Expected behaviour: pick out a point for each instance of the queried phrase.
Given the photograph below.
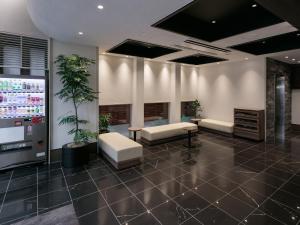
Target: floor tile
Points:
(192, 221)
(22, 182)
(128, 174)
(157, 177)
(223, 184)
(99, 172)
(292, 188)
(260, 218)
(144, 219)
(138, 185)
(152, 198)
(53, 199)
(172, 188)
(213, 215)
(248, 196)
(190, 180)
(128, 209)
(191, 202)
(170, 213)
(100, 217)
(280, 212)
(269, 179)
(107, 181)
(51, 185)
(279, 173)
(49, 175)
(146, 169)
(209, 192)
(20, 194)
(234, 207)
(174, 172)
(18, 209)
(82, 189)
(260, 188)
(287, 199)
(77, 178)
(24, 171)
(160, 163)
(116, 193)
(239, 174)
(88, 203)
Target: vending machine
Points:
(23, 120)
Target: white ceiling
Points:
(128, 19)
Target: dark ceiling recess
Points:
(273, 44)
(286, 9)
(198, 59)
(217, 19)
(141, 49)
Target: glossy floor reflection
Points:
(222, 181)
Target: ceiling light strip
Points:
(206, 46)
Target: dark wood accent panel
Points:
(120, 113)
(296, 127)
(295, 79)
(249, 124)
(155, 111)
(186, 109)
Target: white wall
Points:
(115, 80)
(296, 106)
(14, 18)
(189, 80)
(157, 82)
(89, 111)
(221, 88)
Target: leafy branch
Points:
(74, 74)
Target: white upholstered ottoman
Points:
(216, 125)
(165, 133)
(119, 150)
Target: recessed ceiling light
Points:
(213, 21)
(254, 5)
(294, 59)
(286, 57)
(80, 33)
(127, 56)
(100, 7)
(246, 58)
(218, 63)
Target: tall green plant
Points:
(196, 107)
(104, 121)
(73, 72)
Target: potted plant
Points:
(196, 108)
(104, 121)
(73, 72)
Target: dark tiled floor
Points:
(222, 181)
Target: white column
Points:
(137, 108)
(175, 104)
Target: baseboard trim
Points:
(296, 127)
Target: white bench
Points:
(119, 150)
(217, 126)
(165, 133)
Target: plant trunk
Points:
(76, 122)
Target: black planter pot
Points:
(75, 156)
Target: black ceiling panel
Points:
(198, 59)
(287, 9)
(211, 20)
(141, 49)
(283, 42)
